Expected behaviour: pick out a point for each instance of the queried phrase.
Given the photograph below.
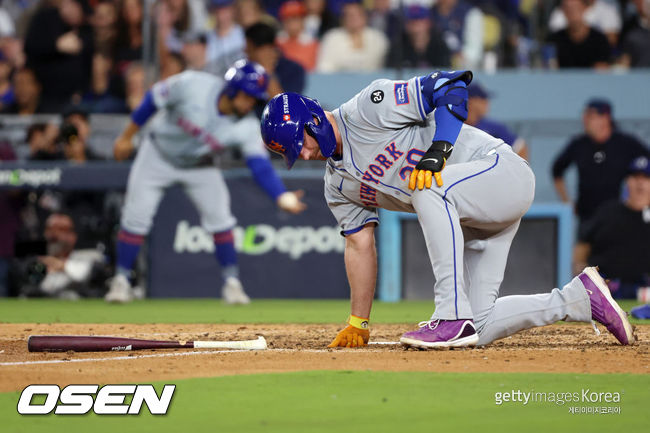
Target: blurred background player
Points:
(478, 106)
(196, 115)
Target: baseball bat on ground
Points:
(87, 343)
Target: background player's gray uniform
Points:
(468, 223)
(178, 146)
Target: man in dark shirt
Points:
(602, 156)
(617, 238)
(59, 46)
(284, 75)
(579, 46)
(421, 45)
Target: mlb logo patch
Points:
(286, 117)
(401, 93)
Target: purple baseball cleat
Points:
(604, 308)
(442, 333)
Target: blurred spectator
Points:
(9, 223)
(602, 155)
(384, 18)
(175, 65)
(478, 106)
(128, 45)
(59, 47)
(579, 46)
(66, 272)
(194, 50)
(104, 23)
(462, 29)
(42, 141)
(175, 21)
(249, 12)
(354, 46)
(74, 135)
(6, 89)
(136, 85)
(226, 43)
(293, 41)
(421, 46)
(617, 238)
(319, 19)
(635, 45)
(27, 94)
(99, 99)
(285, 75)
(599, 14)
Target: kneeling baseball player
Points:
(194, 115)
(403, 146)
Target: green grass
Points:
(209, 311)
(359, 402)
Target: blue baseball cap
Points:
(220, 3)
(600, 105)
(475, 90)
(640, 165)
(416, 12)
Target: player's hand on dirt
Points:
(122, 148)
(430, 166)
(351, 337)
(356, 334)
(291, 201)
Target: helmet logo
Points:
(286, 117)
(276, 147)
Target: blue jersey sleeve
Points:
(145, 110)
(265, 176)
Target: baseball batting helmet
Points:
(285, 118)
(248, 77)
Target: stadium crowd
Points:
(74, 58)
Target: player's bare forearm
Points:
(131, 129)
(123, 146)
(361, 268)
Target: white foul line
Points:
(163, 355)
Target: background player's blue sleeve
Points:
(145, 110)
(265, 176)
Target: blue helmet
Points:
(249, 77)
(284, 120)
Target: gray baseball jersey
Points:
(188, 127)
(468, 223)
(185, 131)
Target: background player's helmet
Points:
(285, 118)
(249, 77)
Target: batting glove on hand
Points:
(356, 334)
(430, 166)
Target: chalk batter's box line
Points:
(165, 355)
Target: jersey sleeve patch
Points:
(401, 93)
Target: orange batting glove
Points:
(356, 334)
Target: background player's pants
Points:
(151, 174)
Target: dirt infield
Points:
(557, 349)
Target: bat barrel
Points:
(76, 343)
